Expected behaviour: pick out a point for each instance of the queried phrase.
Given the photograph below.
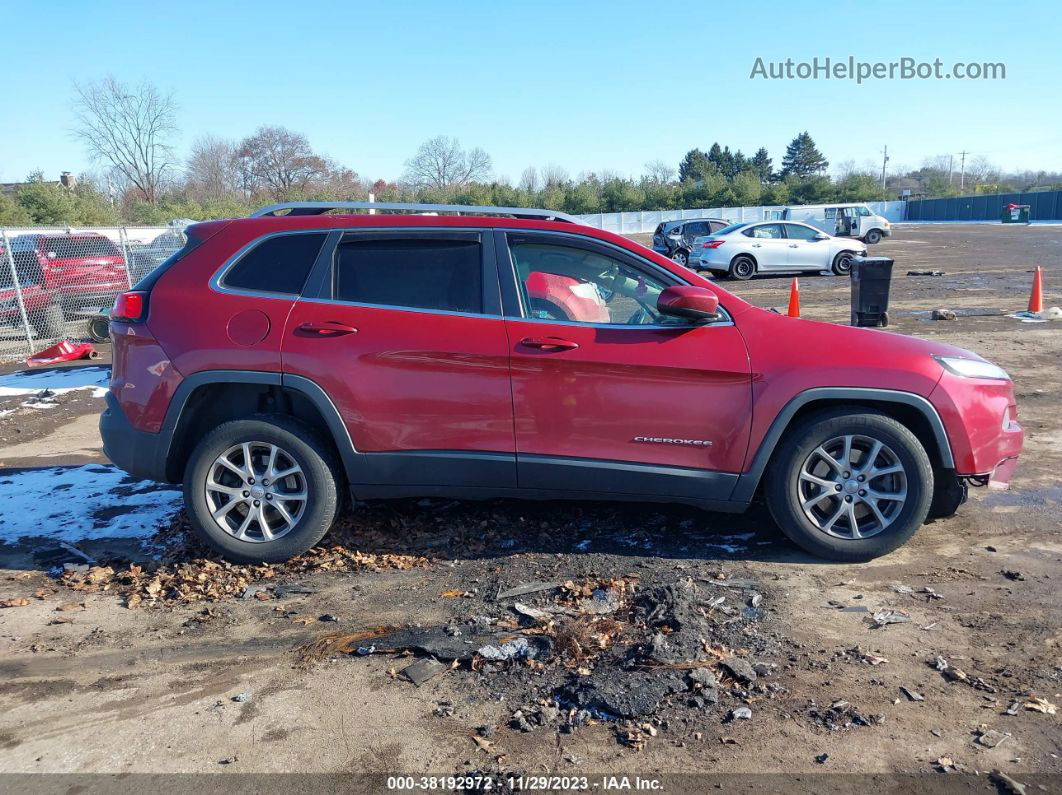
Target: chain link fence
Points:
(60, 283)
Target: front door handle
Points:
(549, 343)
(757, 245)
(327, 328)
(793, 245)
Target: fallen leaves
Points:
(14, 602)
(189, 573)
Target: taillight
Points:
(712, 244)
(130, 307)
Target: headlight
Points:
(972, 368)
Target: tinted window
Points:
(420, 273)
(575, 285)
(79, 247)
(717, 225)
(276, 265)
(695, 229)
(798, 232)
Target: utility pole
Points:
(951, 162)
(962, 170)
(884, 160)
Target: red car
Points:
(276, 361)
(83, 269)
(43, 311)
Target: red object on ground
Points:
(63, 351)
(794, 299)
(1036, 298)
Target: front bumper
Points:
(140, 453)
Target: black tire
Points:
(681, 256)
(873, 237)
(742, 268)
(299, 442)
(51, 324)
(842, 263)
(99, 329)
(797, 446)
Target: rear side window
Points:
(418, 273)
(276, 265)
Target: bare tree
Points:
(529, 180)
(553, 176)
(129, 128)
(213, 169)
(279, 161)
(660, 172)
(441, 163)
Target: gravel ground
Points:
(265, 675)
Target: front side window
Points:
(576, 285)
(831, 213)
(276, 265)
(416, 273)
(863, 211)
(798, 232)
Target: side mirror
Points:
(822, 236)
(692, 303)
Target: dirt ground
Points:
(89, 685)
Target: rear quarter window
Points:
(278, 264)
(416, 273)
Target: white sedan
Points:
(743, 250)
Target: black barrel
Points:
(871, 279)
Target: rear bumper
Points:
(1001, 475)
(140, 453)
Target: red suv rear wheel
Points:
(262, 490)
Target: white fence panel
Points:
(645, 222)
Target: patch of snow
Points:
(30, 382)
(85, 502)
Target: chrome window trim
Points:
(217, 281)
(392, 308)
(670, 277)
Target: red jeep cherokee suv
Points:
(277, 360)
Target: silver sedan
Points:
(743, 250)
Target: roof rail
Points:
(319, 208)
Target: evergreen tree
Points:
(761, 164)
(802, 158)
(694, 166)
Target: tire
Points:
(742, 267)
(802, 507)
(873, 237)
(99, 329)
(52, 323)
(682, 257)
(842, 263)
(308, 520)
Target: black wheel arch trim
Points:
(747, 484)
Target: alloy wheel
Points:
(256, 491)
(852, 487)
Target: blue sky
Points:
(589, 86)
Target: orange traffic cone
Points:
(1036, 298)
(794, 299)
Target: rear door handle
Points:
(327, 328)
(549, 343)
(793, 245)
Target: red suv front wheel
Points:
(850, 485)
